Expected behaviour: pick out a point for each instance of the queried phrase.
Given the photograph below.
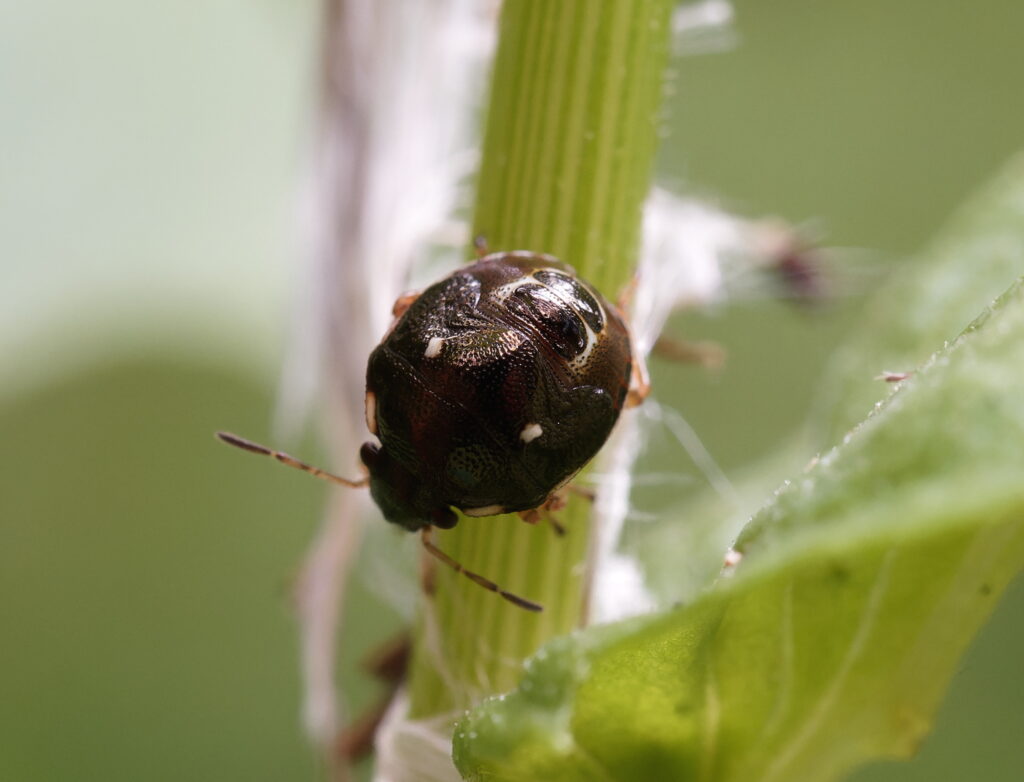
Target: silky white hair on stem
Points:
(395, 139)
(400, 88)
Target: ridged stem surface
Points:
(571, 132)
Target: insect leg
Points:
(554, 503)
(535, 515)
(639, 382)
(588, 494)
(403, 302)
(291, 461)
(434, 551)
(556, 525)
(529, 516)
(709, 355)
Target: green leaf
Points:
(928, 301)
(925, 302)
(862, 582)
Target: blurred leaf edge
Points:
(584, 708)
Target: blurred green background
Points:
(151, 158)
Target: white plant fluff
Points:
(395, 141)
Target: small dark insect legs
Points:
(428, 544)
(425, 534)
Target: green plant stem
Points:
(567, 160)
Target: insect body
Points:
(492, 389)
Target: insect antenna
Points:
(291, 461)
(428, 544)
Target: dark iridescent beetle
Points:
(492, 389)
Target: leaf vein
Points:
(831, 693)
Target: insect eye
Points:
(570, 326)
(368, 453)
(574, 291)
(558, 324)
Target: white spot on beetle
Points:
(434, 347)
(530, 433)
(486, 510)
(371, 412)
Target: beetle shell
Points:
(492, 390)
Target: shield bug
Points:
(491, 390)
